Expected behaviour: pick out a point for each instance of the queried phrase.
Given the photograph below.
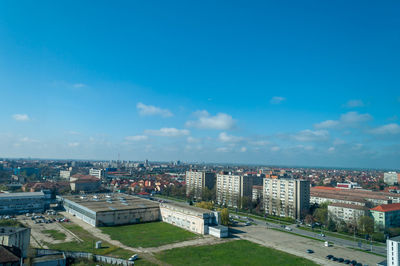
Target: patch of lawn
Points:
(238, 252)
(57, 235)
(148, 234)
(88, 244)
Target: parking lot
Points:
(42, 222)
(298, 246)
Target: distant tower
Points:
(146, 162)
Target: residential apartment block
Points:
(386, 216)
(390, 178)
(286, 197)
(348, 213)
(231, 188)
(393, 250)
(96, 172)
(196, 181)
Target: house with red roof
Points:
(386, 216)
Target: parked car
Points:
(309, 251)
(329, 257)
(340, 260)
(346, 261)
(288, 228)
(133, 257)
(247, 224)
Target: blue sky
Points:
(305, 83)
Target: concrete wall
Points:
(189, 222)
(119, 217)
(19, 238)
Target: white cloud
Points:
(167, 132)
(192, 140)
(311, 135)
(331, 149)
(350, 119)
(136, 138)
(228, 138)
(21, 117)
(73, 144)
(79, 85)
(354, 103)
(243, 149)
(222, 149)
(277, 100)
(260, 142)
(152, 110)
(338, 142)
(221, 121)
(275, 148)
(389, 129)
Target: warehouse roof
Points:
(111, 202)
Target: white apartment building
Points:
(231, 188)
(348, 213)
(96, 172)
(286, 197)
(65, 174)
(390, 178)
(196, 181)
(393, 248)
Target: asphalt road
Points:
(336, 241)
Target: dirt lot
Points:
(38, 237)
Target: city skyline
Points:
(306, 84)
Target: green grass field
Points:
(57, 235)
(239, 252)
(148, 234)
(88, 244)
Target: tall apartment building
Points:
(393, 250)
(96, 172)
(390, 178)
(198, 180)
(286, 197)
(231, 188)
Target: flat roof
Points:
(348, 206)
(111, 202)
(21, 194)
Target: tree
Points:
(321, 215)
(309, 219)
(331, 225)
(366, 225)
(205, 205)
(225, 216)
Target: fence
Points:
(85, 255)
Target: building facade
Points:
(16, 237)
(386, 216)
(257, 193)
(349, 213)
(65, 174)
(191, 218)
(232, 188)
(286, 197)
(17, 203)
(96, 172)
(393, 250)
(84, 183)
(390, 178)
(196, 181)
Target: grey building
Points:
(16, 203)
(112, 209)
(286, 197)
(196, 181)
(390, 178)
(231, 188)
(16, 237)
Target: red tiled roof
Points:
(387, 207)
(327, 188)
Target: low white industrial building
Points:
(189, 217)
